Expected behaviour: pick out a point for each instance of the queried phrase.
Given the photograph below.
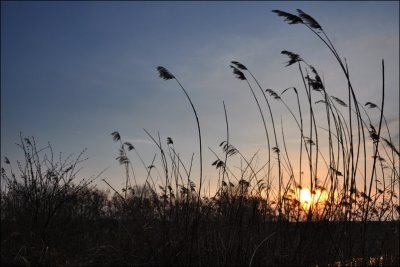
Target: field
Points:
(259, 215)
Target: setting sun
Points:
(305, 196)
(308, 198)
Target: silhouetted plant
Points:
(166, 75)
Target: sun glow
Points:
(314, 198)
(305, 196)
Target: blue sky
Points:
(73, 72)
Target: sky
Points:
(74, 72)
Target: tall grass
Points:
(251, 219)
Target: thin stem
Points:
(199, 133)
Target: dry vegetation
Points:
(49, 216)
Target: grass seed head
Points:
(310, 21)
(292, 56)
(290, 18)
(116, 137)
(238, 73)
(239, 65)
(164, 73)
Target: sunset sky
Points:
(74, 72)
